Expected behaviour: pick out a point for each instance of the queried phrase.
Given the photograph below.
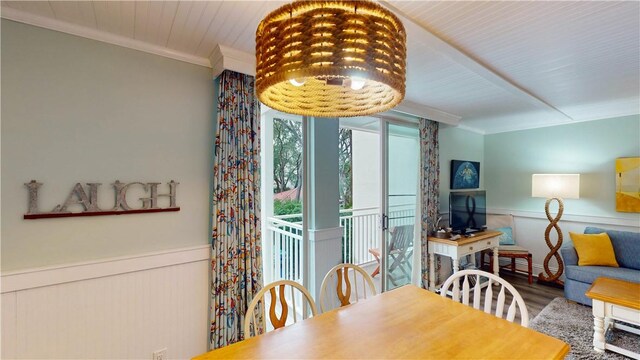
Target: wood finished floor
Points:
(536, 296)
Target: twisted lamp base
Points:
(549, 277)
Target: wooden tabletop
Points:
(487, 234)
(407, 322)
(615, 291)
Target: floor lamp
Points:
(554, 187)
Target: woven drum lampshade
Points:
(331, 59)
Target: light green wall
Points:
(458, 144)
(78, 110)
(588, 148)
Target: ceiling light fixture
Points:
(331, 59)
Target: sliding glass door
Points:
(400, 161)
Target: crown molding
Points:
(94, 34)
(226, 58)
(426, 112)
(472, 129)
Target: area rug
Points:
(573, 324)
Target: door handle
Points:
(384, 222)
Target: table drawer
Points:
(625, 314)
(477, 246)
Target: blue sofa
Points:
(578, 279)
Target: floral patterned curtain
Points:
(429, 193)
(236, 259)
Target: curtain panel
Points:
(429, 194)
(236, 259)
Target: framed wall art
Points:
(628, 184)
(465, 174)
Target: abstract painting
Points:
(465, 174)
(628, 184)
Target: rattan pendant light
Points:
(331, 59)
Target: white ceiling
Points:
(496, 66)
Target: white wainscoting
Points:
(530, 227)
(110, 309)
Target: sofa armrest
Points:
(569, 255)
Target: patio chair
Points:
(340, 278)
(473, 282)
(278, 302)
(400, 253)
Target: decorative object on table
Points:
(436, 225)
(573, 323)
(554, 187)
(331, 59)
(473, 280)
(465, 174)
(442, 234)
(628, 184)
(88, 200)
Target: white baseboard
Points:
(53, 275)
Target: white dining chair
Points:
(290, 297)
(473, 282)
(337, 290)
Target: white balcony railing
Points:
(360, 232)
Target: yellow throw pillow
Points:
(594, 249)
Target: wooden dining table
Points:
(405, 323)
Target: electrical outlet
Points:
(160, 354)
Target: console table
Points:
(455, 249)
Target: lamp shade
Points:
(565, 186)
(331, 59)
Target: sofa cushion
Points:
(594, 249)
(587, 274)
(626, 245)
(507, 236)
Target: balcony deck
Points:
(361, 231)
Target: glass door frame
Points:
(385, 121)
